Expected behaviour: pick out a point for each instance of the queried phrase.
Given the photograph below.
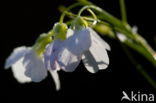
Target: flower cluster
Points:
(60, 49)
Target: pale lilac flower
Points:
(27, 66)
(51, 55)
(15, 60)
(96, 58)
(83, 44)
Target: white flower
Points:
(27, 66)
(68, 53)
(16, 61)
(96, 58)
(34, 66)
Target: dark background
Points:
(22, 22)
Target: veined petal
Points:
(56, 79)
(17, 54)
(67, 60)
(18, 71)
(50, 56)
(35, 68)
(96, 58)
(55, 49)
(47, 55)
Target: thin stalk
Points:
(107, 17)
(92, 13)
(122, 28)
(140, 68)
(70, 7)
(123, 11)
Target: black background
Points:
(22, 22)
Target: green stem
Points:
(144, 43)
(123, 11)
(123, 28)
(136, 64)
(69, 8)
(92, 13)
(106, 16)
(85, 2)
(62, 17)
(140, 68)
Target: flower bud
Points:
(60, 30)
(79, 23)
(104, 30)
(41, 43)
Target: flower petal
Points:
(67, 60)
(79, 42)
(18, 71)
(96, 58)
(55, 49)
(70, 32)
(34, 66)
(17, 54)
(47, 55)
(71, 52)
(90, 62)
(98, 38)
(56, 79)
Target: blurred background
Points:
(23, 21)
